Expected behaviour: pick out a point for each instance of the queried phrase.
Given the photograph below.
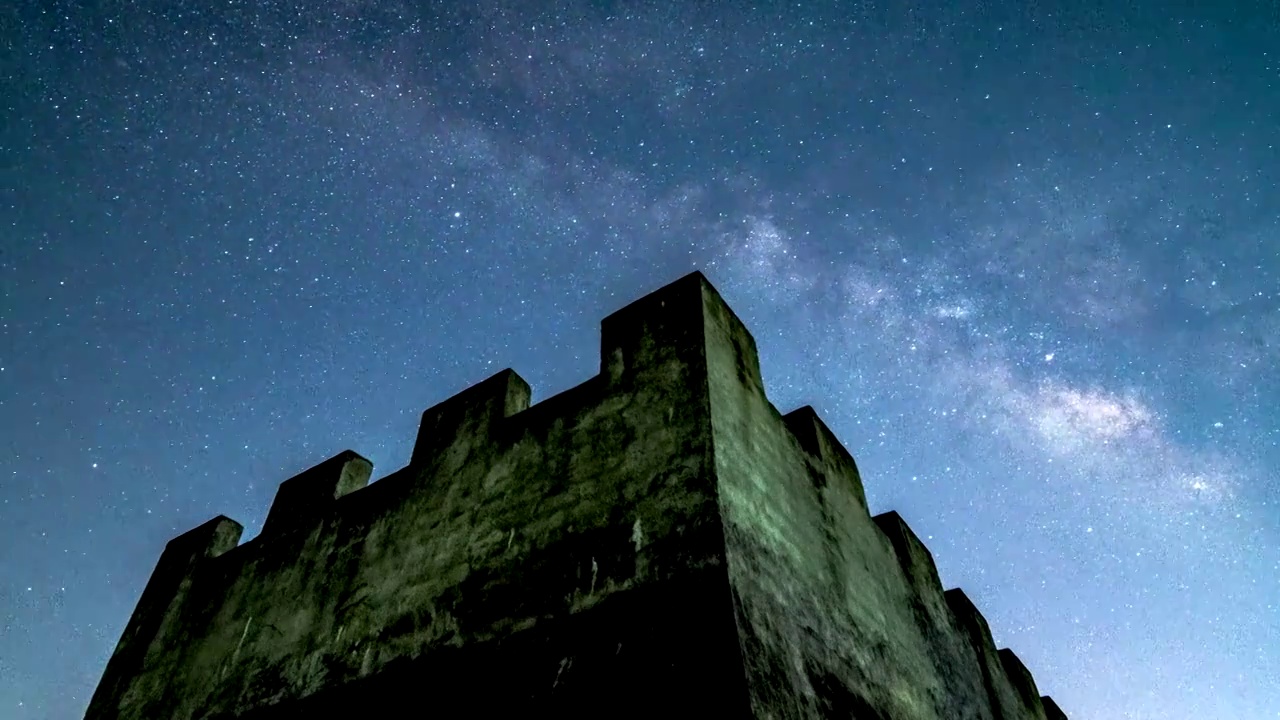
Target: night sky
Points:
(1024, 259)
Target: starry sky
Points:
(1024, 258)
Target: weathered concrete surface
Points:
(656, 541)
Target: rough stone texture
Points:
(658, 540)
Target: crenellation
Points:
(1003, 696)
(304, 498)
(949, 645)
(661, 326)
(659, 532)
(730, 347)
(820, 443)
(1051, 709)
(912, 554)
(1025, 685)
(453, 430)
(153, 618)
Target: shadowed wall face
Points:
(658, 540)
(840, 614)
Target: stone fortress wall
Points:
(658, 540)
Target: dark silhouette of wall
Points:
(657, 541)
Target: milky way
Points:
(1025, 261)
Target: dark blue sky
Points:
(1025, 260)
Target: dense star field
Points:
(1023, 259)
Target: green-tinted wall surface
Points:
(657, 541)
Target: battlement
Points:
(659, 526)
(304, 498)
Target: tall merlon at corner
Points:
(658, 541)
